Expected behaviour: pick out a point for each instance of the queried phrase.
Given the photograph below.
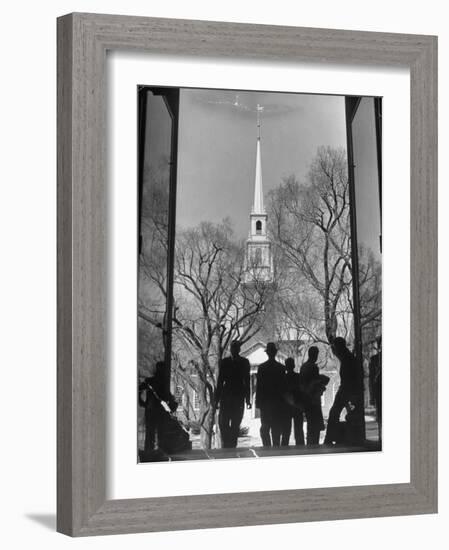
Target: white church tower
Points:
(259, 261)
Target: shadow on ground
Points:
(46, 520)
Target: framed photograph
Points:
(246, 274)
(246, 284)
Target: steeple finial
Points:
(259, 109)
(258, 207)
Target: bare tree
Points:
(310, 226)
(213, 305)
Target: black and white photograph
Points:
(259, 306)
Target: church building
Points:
(259, 259)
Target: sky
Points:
(217, 148)
(217, 151)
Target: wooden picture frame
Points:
(83, 40)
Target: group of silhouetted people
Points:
(286, 398)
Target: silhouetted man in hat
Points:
(269, 398)
(350, 392)
(233, 389)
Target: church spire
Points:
(258, 207)
(259, 260)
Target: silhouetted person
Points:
(269, 398)
(375, 382)
(313, 385)
(233, 389)
(155, 397)
(349, 393)
(293, 406)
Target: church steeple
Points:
(259, 262)
(258, 207)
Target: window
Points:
(364, 116)
(196, 401)
(179, 392)
(158, 123)
(258, 227)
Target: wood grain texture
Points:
(423, 272)
(83, 40)
(64, 276)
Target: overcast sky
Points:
(217, 148)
